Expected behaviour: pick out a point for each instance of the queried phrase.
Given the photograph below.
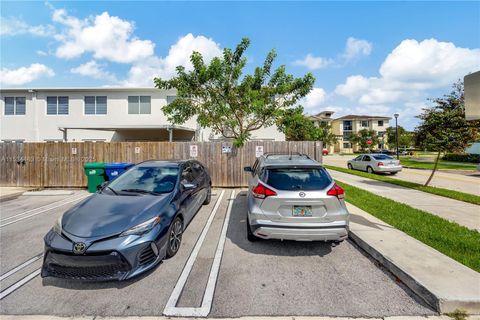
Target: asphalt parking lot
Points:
(217, 272)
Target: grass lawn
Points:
(451, 239)
(406, 161)
(457, 195)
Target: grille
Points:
(147, 256)
(87, 273)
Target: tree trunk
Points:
(434, 169)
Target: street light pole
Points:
(396, 133)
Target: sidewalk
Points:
(9, 193)
(441, 281)
(463, 213)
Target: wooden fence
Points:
(61, 164)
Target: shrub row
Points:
(462, 157)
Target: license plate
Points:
(302, 211)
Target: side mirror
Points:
(103, 185)
(188, 186)
(248, 169)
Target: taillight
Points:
(261, 192)
(380, 164)
(336, 191)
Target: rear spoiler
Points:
(300, 166)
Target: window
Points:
(366, 158)
(14, 106)
(346, 145)
(139, 104)
(381, 134)
(149, 179)
(297, 178)
(364, 123)
(382, 157)
(359, 158)
(95, 105)
(346, 135)
(347, 125)
(380, 123)
(57, 105)
(187, 174)
(170, 99)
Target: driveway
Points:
(216, 266)
(468, 183)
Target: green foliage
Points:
(456, 241)
(458, 314)
(443, 127)
(230, 103)
(405, 138)
(362, 137)
(462, 157)
(297, 127)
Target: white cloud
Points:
(409, 70)
(313, 63)
(94, 70)
(356, 48)
(106, 37)
(41, 53)
(143, 72)
(313, 101)
(24, 75)
(10, 26)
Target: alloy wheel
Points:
(176, 236)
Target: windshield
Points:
(147, 179)
(382, 157)
(297, 178)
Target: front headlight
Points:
(142, 227)
(57, 227)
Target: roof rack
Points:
(290, 154)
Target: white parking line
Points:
(42, 211)
(20, 267)
(18, 284)
(171, 309)
(171, 306)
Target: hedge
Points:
(462, 157)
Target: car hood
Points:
(106, 215)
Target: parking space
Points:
(262, 278)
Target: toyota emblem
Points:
(79, 248)
(302, 194)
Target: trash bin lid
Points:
(94, 165)
(118, 165)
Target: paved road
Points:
(464, 182)
(265, 278)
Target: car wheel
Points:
(209, 196)
(370, 170)
(349, 166)
(174, 237)
(250, 236)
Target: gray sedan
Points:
(373, 163)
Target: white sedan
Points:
(373, 163)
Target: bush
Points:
(462, 157)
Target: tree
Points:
(443, 127)
(405, 138)
(297, 127)
(232, 104)
(362, 137)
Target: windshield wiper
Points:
(140, 191)
(111, 189)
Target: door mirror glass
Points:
(248, 169)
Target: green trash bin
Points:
(95, 172)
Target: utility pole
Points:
(396, 133)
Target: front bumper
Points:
(326, 232)
(117, 258)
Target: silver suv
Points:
(292, 197)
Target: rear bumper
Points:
(300, 233)
(388, 169)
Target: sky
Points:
(373, 58)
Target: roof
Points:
(362, 117)
(162, 163)
(79, 89)
(293, 160)
(127, 127)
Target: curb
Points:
(11, 196)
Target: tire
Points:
(370, 170)
(175, 232)
(209, 196)
(350, 166)
(393, 173)
(250, 236)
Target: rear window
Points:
(382, 157)
(297, 178)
